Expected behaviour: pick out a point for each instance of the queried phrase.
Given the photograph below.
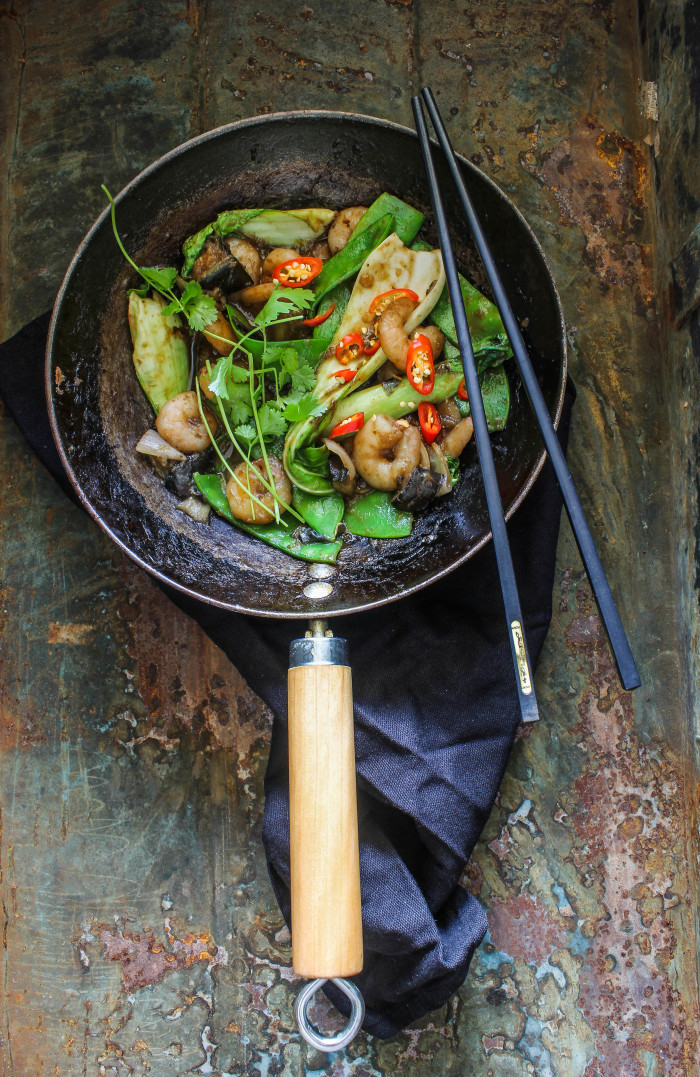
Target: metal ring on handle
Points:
(342, 1039)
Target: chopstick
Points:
(509, 588)
(626, 666)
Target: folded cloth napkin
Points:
(436, 712)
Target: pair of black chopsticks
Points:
(596, 574)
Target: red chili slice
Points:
(346, 375)
(382, 301)
(349, 425)
(370, 340)
(297, 272)
(430, 425)
(462, 391)
(420, 368)
(320, 318)
(350, 347)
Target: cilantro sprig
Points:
(198, 309)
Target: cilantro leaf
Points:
(284, 303)
(219, 377)
(304, 377)
(298, 410)
(238, 374)
(239, 404)
(246, 432)
(160, 279)
(199, 309)
(271, 421)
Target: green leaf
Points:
(453, 465)
(219, 377)
(161, 279)
(303, 378)
(246, 432)
(199, 309)
(296, 412)
(271, 421)
(239, 404)
(239, 374)
(284, 303)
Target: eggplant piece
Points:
(179, 479)
(216, 267)
(420, 489)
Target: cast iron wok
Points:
(98, 411)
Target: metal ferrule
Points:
(318, 651)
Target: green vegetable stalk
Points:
(404, 399)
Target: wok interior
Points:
(100, 411)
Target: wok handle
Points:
(324, 848)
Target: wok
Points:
(98, 413)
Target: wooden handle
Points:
(325, 862)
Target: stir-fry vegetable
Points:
(161, 357)
(305, 401)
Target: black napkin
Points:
(436, 712)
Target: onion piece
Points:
(152, 444)
(195, 508)
(344, 455)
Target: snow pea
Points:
(495, 393)
(282, 538)
(483, 318)
(323, 512)
(407, 220)
(349, 260)
(375, 516)
(340, 295)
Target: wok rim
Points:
(164, 160)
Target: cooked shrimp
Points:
(180, 424)
(343, 226)
(434, 335)
(456, 439)
(215, 331)
(275, 258)
(386, 451)
(450, 414)
(256, 296)
(392, 335)
(247, 255)
(247, 483)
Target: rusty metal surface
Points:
(140, 931)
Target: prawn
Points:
(180, 424)
(343, 226)
(395, 340)
(386, 451)
(456, 439)
(244, 485)
(275, 258)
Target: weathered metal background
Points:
(140, 931)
